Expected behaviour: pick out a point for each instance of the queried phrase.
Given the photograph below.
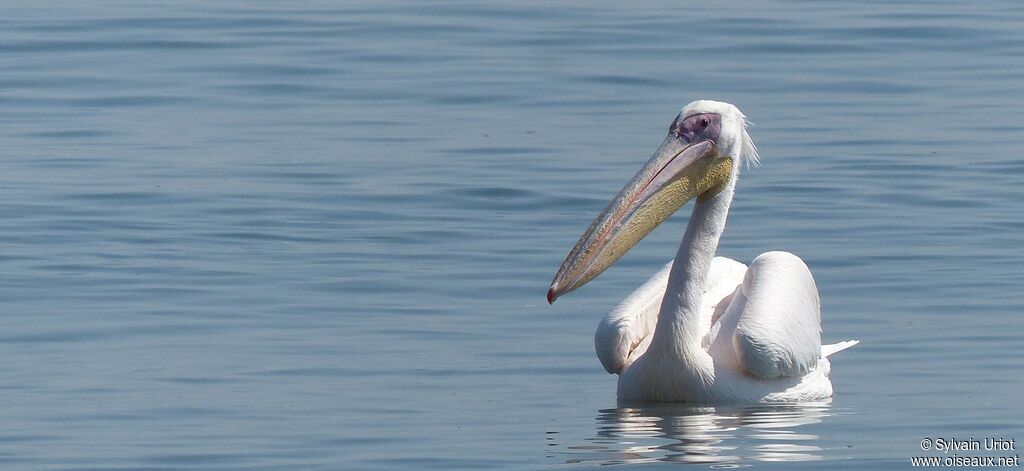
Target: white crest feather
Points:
(749, 153)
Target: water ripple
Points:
(316, 235)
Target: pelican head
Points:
(698, 158)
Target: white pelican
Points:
(704, 329)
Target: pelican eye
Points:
(704, 122)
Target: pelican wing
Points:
(626, 331)
(778, 333)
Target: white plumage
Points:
(750, 332)
(704, 329)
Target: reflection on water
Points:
(725, 436)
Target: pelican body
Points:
(704, 329)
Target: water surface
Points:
(263, 235)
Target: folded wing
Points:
(778, 333)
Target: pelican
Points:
(704, 329)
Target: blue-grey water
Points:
(318, 235)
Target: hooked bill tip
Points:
(552, 295)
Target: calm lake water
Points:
(300, 235)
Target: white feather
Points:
(625, 332)
(630, 323)
(779, 329)
(727, 333)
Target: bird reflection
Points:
(709, 435)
